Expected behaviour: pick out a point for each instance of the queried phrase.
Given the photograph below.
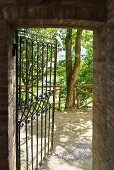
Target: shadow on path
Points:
(72, 142)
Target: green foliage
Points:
(86, 71)
(33, 51)
(61, 80)
(85, 75)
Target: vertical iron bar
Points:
(37, 66)
(26, 70)
(26, 131)
(50, 104)
(49, 130)
(42, 99)
(42, 68)
(51, 89)
(54, 86)
(32, 109)
(37, 142)
(19, 146)
(41, 133)
(32, 141)
(17, 130)
(32, 67)
(46, 104)
(50, 67)
(41, 137)
(23, 66)
(19, 67)
(46, 67)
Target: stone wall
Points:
(11, 98)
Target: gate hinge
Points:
(14, 49)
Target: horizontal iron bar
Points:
(56, 87)
(37, 35)
(37, 41)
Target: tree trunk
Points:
(75, 71)
(68, 44)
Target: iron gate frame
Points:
(43, 98)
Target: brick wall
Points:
(7, 119)
(103, 111)
(99, 106)
(3, 97)
(110, 84)
(52, 13)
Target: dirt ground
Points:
(72, 142)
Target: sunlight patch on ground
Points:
(72, 142)
(61, 164)
(64, 138)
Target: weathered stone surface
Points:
(99, 111)
(7, 124)
(54, 13)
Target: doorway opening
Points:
(40, 86)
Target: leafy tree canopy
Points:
(85, 74)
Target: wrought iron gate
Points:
(36, 80)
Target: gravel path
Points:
(72, 142)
